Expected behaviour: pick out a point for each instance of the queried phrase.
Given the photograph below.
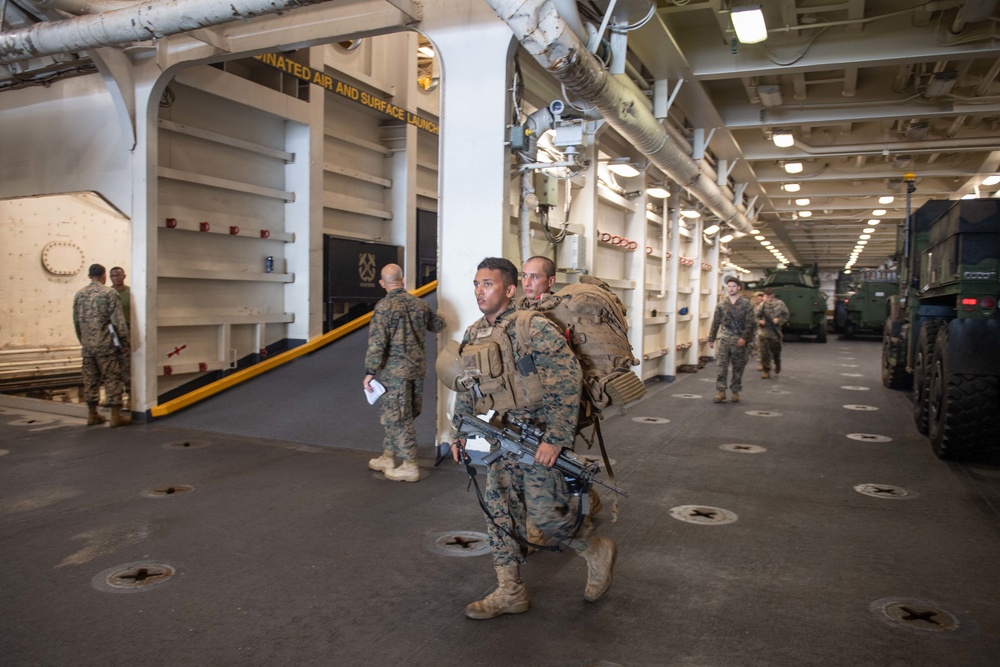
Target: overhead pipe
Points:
(139, 22)
(874, 148)
(544, 34)
(79, 7)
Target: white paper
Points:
(377, 390)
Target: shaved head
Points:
(392, 274)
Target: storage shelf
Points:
(572, 278)
(226, 230)
(219, 320)
(202, 274)
(656, 320)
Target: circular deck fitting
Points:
(884, 491)
(133, 577)
(861, 408)
(743, 449)
(165, 491)
(187, 444)
(703, 515)
(459, 543)
(869, 437)
(686, 395)
(854, 387)
(763, 413)
(922, 616)
(651, 420)
(853, 375)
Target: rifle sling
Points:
(469, 468)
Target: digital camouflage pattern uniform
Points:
(769, 335)
(125, 295)
(94, 307)
(396, 349)
(515, 490)
(732, 321)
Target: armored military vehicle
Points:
(866, 306)
(943, 331)
(796, 286)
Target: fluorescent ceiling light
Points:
(625, 169)
(765, 243)
(888, 199)
(426, 51)
(783, 139)
(862, 242)
(748, 22)
(726, 239)
(802, 202)
(865, 237)
(711, 229)
(690, 213)
(793, 167)
(657, 192)
(868, 230)
(759, 237)
(791, 187)
(992, 180)
(755, 231)
(805, 214)
(971, 195)
(874, 222)
(878, 211)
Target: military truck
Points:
(796, 286)
(867, 305)
(943, 332)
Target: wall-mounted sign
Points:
(348, 91)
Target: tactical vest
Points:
(507, 377)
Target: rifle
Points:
(115, 340)
(522, 438)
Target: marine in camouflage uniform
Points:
(733, 327)
(396, 338)
(94, 308)
(518, 491)
(771, 315)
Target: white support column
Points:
(694, 309)
(636, 229)
(673, 274)
(401, 198)
(474, 159)
(709, 282)
(303, 217)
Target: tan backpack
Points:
(593, 319)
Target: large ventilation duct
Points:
(138, 22)
(543, 33)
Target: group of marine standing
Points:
(737, 324)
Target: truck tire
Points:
(962, 409)
(923, 360)
(821, 333)
(894, 375)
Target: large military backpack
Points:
(593, 319)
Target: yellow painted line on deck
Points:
(242, 376)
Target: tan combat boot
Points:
(720, 397)
(383, 463)
(406, 472)
(119, 419)
(765, 376)
(510, 596)
(93, 416)
(600, 556)
(735, 398)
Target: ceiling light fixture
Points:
(748, 22)
(765, 243)
(711, 229)
(623, 169)
(793, 167)
(690, 213)
(658, 192)
(868, 230)
(805, 214)
(992, 180)
(888, 199)
(791, 187)
(874, 222)
(802, 202)
(865, 237)
(759, 237)
(726, 239)
(878, 211)
(426, 51)
(755, 231)
(783, 139)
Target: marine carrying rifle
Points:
(522, 438)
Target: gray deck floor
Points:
(289, 552)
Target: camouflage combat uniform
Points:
(516, 490)
(732, 321)
(769, 335)
(125, 295)
(396, 349)
(94, 307)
